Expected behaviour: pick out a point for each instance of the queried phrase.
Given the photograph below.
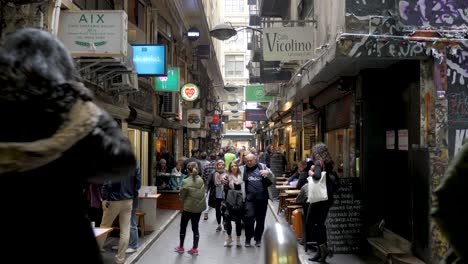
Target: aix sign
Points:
(189, 92)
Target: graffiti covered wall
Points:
(434, 13)
(370, 7)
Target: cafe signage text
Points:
(287, 43)
(94, 33)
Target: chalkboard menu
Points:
(344, 222)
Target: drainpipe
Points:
(55, 17)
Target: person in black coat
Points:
(54, 139)
(318, 211)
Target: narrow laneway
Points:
(211, 246)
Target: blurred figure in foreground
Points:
(54, 140)
(445, 211)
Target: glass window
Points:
(339, 146)
(234, 65)
(235, 6)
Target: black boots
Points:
(322, 253)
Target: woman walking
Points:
(219, 177)
(318, 211)
(192, 195)
(234, 203)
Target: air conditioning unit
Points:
(170, 104)
(272, 89)
(125, 83)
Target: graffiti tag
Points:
(433, 12)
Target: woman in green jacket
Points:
(192, 195)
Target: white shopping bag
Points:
(317, 189)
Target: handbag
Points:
(317, 189)
(212, 198)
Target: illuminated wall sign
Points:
(193, 34)
(150, 60)
(169, 82)
(190, 92)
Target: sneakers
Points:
(130, 250)
(238, 243)
(247, 244)
(258, 243)
(115, 247)
(219, 228)
(228, 242)
(205, 217)
(179, 249)
(193, 251)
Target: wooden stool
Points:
(282, 202)
(290, 209)
(141, 222)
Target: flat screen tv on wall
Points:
(150, 59)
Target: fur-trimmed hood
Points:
(24, 156)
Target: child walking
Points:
(192, 195)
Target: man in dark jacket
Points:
(257, 178)
(117, 200)
(54, 139)
(195, 157)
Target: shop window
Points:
(234, 6)
(234, 65)
(140, 142)
(94, 5)
(137, 13)
(338, 142)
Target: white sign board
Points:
(94, 33)
(287, 43)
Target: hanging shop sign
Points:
(193, 34)
(215, 119)
(255, 115)
(169, 82)
(256, 93)
(190, 92)
(150, 59)
(287, 43)
(94, 33)
(193, 118)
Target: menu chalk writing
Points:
(345, 222)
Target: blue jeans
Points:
(133, 242)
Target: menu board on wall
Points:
(345, 221)
(308, 134)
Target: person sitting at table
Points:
(161, 168)
(300, 174)
(176, 182)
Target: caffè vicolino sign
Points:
(287, 43)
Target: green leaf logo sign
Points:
(87, 44)
(101, 43)
(81, 43)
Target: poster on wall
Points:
(458, 133)
(193, 118)
(403, 139)
(390, 139)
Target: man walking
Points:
(118, 199)
(257, 178)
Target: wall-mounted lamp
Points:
(226, 31)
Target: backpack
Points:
(234, 201)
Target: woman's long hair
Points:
(320, 152)
(192, 169)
